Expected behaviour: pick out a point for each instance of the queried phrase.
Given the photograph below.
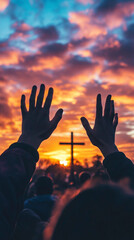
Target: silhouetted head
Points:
(104, 212)
(44, 185)
(100, 177)
(84, 176)
(29, 226)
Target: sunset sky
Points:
(79, 47)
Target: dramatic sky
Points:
(79, 47)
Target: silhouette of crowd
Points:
(95, 206)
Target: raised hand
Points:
(103, 133)
(36, 125)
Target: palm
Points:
(105, 129)
(36, 122)
(103, 132)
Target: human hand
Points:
(103, 133)
(36, 125)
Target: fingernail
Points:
(42, 86)
(61, 111)
(83, 119)
(51, 90)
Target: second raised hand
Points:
(103, 133)
(36, 124)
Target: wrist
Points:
(29, 140)
(108, 149)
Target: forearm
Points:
(30, 140)
(17, 165)
(108, 149)
(119, 166)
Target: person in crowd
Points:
(18, 162)
(83, 177)
(43, 203)
(102, 211)
(100, 176)
(102, 136)
(29, 226)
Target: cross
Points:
(72, 143)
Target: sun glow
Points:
(64, 162)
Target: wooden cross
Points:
(72, 143)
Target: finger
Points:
(40, 96)
(89, 131)
(86, 125)
(107, 107)
(23, 106)
(115, 122)
(49, 98)
(112, 111)
(56, 118)
(54, 123)
(98, 107)
(32, 98)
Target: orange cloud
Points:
(47, 63)
(88, 28)
(9, 57)
(4, 4)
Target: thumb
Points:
(53, 124)
(87, 127)
(56, 119)
(90, 132)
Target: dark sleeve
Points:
(119, 166)
(17, 165)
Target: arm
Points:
(17, 163)
(119, 166)
(103, 136)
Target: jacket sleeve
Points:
(17, 165)
(119, 166)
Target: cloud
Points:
(119, 57)
(55, 49)
(21, 31)
(108, 6)
(5, 110)
(49, 33)
(129, 33)
(24, 77)
(9, 55)
(4, 4)
(41, 62)
(117, 10)
(75, 69)
(85, 1)
(88, 27)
